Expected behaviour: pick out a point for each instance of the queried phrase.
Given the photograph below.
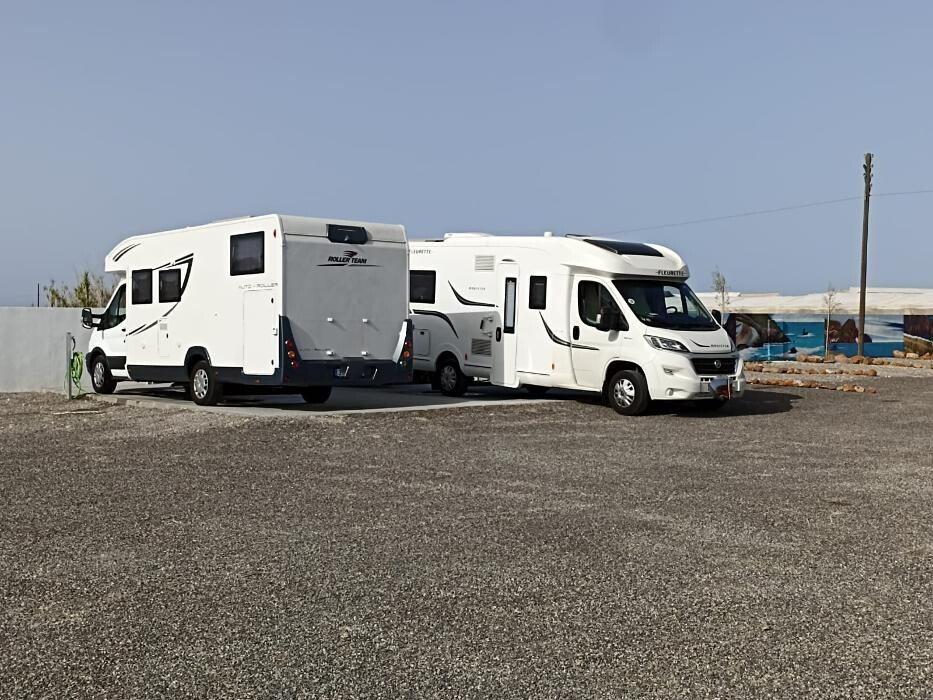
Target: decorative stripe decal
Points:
(467, 302)
(559, 341)
(143, 328)
(124, 251)
(441, 316)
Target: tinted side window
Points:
(593, 300)
(169, 285)
(537, 293)
(355, 235)
(142, 286)
(247, 254)
(421, 284)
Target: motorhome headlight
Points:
(666, 343)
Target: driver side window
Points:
(116, 312)
(593, 303)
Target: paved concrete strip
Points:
(343, 401)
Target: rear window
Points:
(354, 235)
(142, 286)
(421, 285)
(169, 285)
(247, 253)
(537, 293)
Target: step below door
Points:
(260, 332)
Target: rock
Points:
(859, 389)
(898, 353)
(857, 359)
(912, 356)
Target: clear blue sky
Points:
(127, 117)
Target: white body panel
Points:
(551, 346)
(240, 319)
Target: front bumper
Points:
(347, 372)
(674, 379)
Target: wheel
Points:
(627, 392)
(536, 390)
(316, 394)
(204, 388)
(101, 379)
(452, 381)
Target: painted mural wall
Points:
(781, 336)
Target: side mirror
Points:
(717, 315)
(610, 321)
(87, 319)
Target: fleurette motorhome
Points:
(270, 303)
(570, 312)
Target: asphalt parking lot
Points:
(780, 548)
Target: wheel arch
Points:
(194, 355)
(618, 365)
(91, 356)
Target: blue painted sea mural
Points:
(783, 336)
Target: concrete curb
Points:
(166, 403)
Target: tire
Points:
(450, 380)
(627, 392)
(536, 390)
(316, 394)
(204, 388)
(101, 379)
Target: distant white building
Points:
(878, 301)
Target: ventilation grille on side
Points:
(484, 263)
(481, 346)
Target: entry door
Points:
(591, 347)
(260, 332)
(505, 343)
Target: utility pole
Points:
(861, 293)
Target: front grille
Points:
(714, 365)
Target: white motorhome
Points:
(260, 304)
(570, 312)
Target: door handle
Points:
(498, 334)
(576, 332)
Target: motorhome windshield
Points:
(671, 305)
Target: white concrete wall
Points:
(32, 347)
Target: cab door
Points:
(592, 344)
(112, 330)
(505, 343)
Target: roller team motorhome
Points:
(270, 303)
(571, 312)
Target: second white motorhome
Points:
(571, 312)
(258, 304)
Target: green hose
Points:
(74, 373)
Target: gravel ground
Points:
(780, 548)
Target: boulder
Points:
(898, 353)
(912, 356)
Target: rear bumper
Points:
(347, 372)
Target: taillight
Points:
(292, 353)
(406, 352)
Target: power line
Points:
(761, 212)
